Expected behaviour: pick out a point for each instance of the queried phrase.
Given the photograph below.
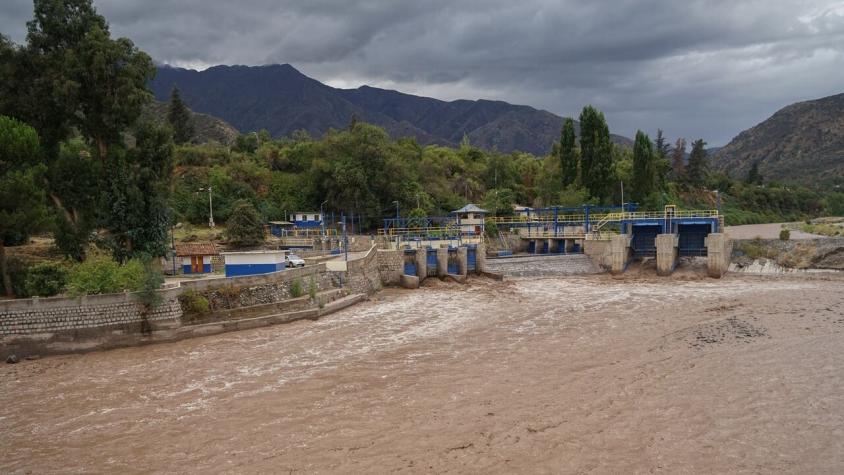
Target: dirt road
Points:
(740, 375)
(766, 231)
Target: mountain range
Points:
(282, 100)
(801, 143)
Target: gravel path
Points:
(765, 231)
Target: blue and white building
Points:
(254, 262)
(306, 219)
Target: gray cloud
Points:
(695, 68)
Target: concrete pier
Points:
(719, 247)
(619, 253)
(442, 262)
(480, 259)
(666, 253)
(421, 264)
(462, 260)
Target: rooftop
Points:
(470, 208)
(196, 249)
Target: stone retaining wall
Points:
(377, 268)
(31, 316)
(60, 324)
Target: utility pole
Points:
(173, 244)
(345, 238)
(322, 218)
(210, 206)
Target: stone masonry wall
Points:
(246, 294)
(61, 324)
(362, 275)
(62, 314)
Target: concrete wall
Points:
(620, 253)
(666, 253)
(719, 249)
(599, 252)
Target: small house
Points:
(525, 213)
(470, 219)
(196, 257)
(254, 262)
(306, 219)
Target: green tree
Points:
(661, 164)
(180, 118)
(22, 199)
(753, 175)
(644, 170)
(244, 227)
(698, 163)
(136, 214)
(100, 82)
(596, 154)
(568, 153)
(678, 160)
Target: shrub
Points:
(18, 270)
(46, 279)
(296, 288)
(490, 228)
(151, 281)
(785, 234)
(100, 274)
(244, 227)
(312, 288)
(194, 303)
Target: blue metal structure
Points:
(431, 261)
(409, 262)
(471, 257)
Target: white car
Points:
(294, 261)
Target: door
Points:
(196, 264)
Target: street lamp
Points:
(210, 206)
(397, 212)
(322, 217)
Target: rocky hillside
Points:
(208, 128)
(801, 143)
(281, 99)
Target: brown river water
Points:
(573, 375)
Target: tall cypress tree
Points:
(568, 154)
(678, 160)
(180, 119)
(595, 154)
(698, 163)
(644, 170)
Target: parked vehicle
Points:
(293, 260)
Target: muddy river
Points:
(567, 375)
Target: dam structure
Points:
(614, 236)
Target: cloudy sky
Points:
(693, 68)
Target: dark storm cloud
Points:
(694, 68)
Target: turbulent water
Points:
(574, 374)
